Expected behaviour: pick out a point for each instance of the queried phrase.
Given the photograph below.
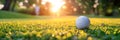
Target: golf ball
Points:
(82, 22)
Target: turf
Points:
(11, 15)
(58, 28)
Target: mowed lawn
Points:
(58, 28)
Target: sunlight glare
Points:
(26, 1)
(1, 6)
(33, 5)
(44, 2)
(22, 5)
(56, 4)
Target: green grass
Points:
(56, 28)
(9, 15)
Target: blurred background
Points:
(63, 7)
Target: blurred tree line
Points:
(14, 5)
(96, 7)
(102, 7)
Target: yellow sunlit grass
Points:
(60, 28)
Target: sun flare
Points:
(55, 4)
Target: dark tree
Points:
(14, 4)
(7, 5)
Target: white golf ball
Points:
(82, 22)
